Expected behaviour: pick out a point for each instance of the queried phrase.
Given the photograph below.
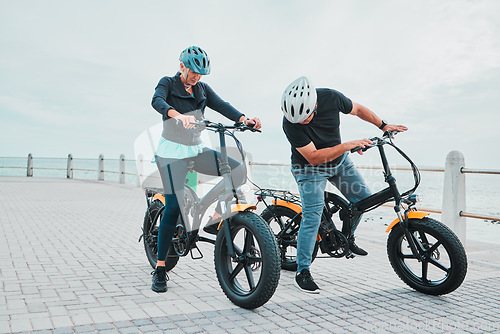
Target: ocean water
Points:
(482, 194)
(482, 191)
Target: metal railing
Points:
(453, 207)
(70, 169)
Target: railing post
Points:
(454, 194)
(122, 168)
(100, 168)
(139, 163)
(69, 169)
(29, 171)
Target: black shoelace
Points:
(166, 275)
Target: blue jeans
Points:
(311, 182)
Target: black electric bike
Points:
(246, 253)
(423, 252)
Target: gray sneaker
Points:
(305, 282)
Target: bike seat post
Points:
(190, 166)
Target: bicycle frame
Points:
(348, 210)
(222, 191)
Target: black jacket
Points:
(171, 94)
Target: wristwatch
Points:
(384, 123)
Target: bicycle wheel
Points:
(150, 230)
(444, 264)
(250, 279)
(278, 217)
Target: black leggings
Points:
(173, 174)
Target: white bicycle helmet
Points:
(299, 100)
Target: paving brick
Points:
(84, 329)
(4, 326)
(20, 325)
(41, 323)
(74, 283)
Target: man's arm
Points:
(316, 157)
(369, 116)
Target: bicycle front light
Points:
(415, 198)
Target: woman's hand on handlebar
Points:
(358, 145)
(186, 120)
(254, 122)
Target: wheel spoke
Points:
(254, 259)
(439, 265)
(407, 256)
(248, 241)
(236, 271)
(251, 282)
(434, 247)
(425, 269)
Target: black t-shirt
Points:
(324, 128)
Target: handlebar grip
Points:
(356, 149)
(359, 148)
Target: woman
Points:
(182, 99)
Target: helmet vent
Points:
(292, 112)
(301, 108)
(194, 51)
(204, 62)
(197, 62)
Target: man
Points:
(311, 123)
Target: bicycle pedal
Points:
(350, 255)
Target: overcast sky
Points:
(78, 77)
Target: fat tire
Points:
(151, 217)
(270, 266)
(448, 240)
(281, 211)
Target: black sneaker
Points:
(305, 282)
(212, 225)
(160, 279)
(354, 248)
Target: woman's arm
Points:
(159, 101)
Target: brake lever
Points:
(243, 127)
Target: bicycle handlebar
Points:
(203, 124)
(376, 141)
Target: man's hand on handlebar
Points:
(395, 128)
(358, 145)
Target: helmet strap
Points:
(185, 79)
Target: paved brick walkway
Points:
(70, 262)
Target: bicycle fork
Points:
(409, 236)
